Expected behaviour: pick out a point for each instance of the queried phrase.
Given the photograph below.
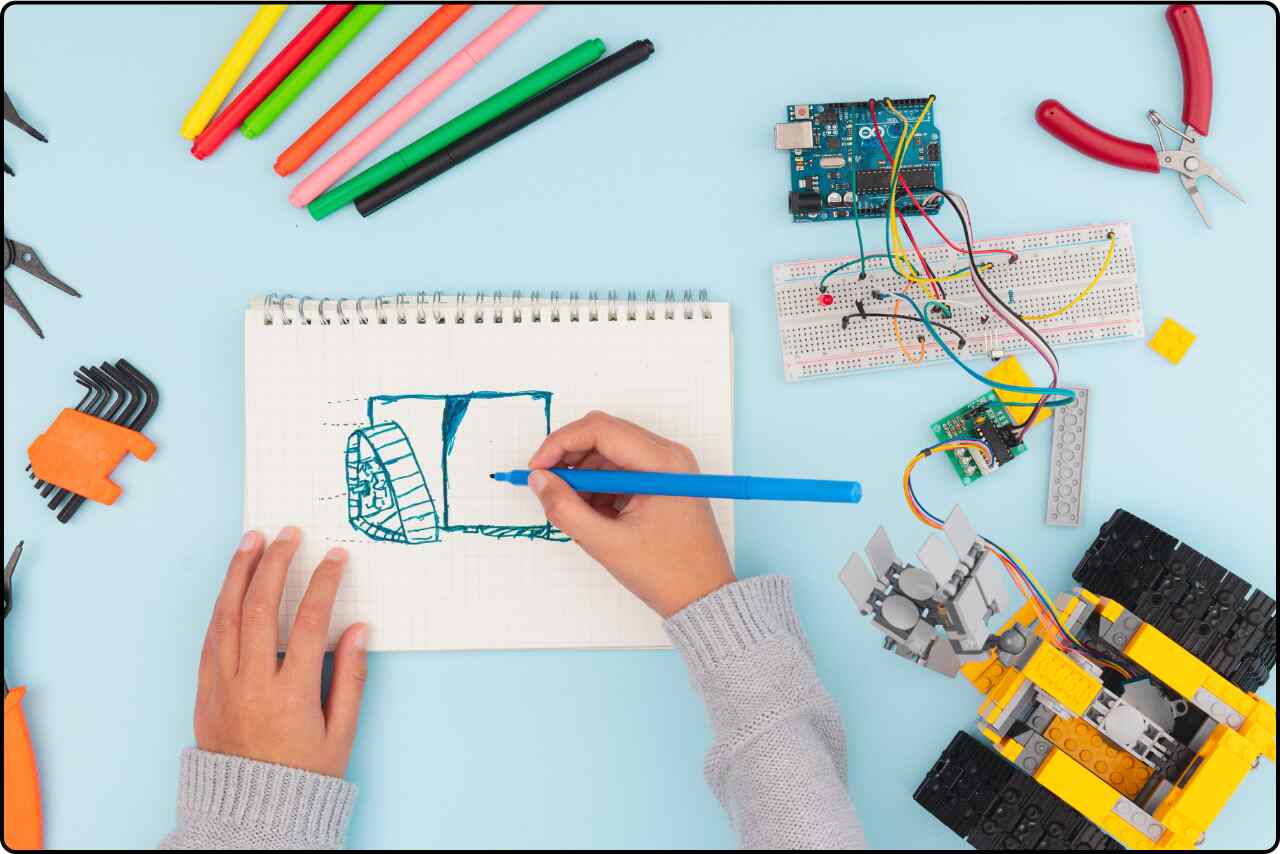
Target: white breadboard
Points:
(1052, 267)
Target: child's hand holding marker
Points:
(664, 549)
(267, 774)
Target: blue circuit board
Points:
(837, 165)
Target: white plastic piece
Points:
(900, 612)
(991, 578)
(1052, 267)
(938, 559)
(881, 554)
(959, 531)
(970, 611)
(1066, 462)
(857, 579)
(916, 584)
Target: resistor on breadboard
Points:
(1052, 267)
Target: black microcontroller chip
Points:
(833, 142)
(934, 152)
(877, 180)
(996, 438)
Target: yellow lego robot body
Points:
(1146, 750)
(1076, 759)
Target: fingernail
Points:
(287, 533)
(248, 542)
(336, 553)
(538, 482)
(361, 638)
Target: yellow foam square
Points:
(1172, 340)
(1010, 371)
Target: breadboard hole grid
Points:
(1052, 267)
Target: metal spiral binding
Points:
(424, 307)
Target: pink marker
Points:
(410, 105)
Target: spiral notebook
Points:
(374, 423)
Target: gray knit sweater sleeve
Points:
(777, 762)
(232, 802)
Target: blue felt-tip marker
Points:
(697, 485)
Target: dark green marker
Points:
(456, 128)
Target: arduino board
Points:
(987, 420)
(838, 166)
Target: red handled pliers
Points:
(1197, 103)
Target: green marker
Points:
(517, 93)
(309, 69)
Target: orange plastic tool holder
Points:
(23, 826)
(79, 451)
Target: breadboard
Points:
(1052, 267)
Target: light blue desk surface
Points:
(667, 177)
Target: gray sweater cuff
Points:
(732, 620)
(233, 802)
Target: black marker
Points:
(505, 125)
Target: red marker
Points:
(268, 79)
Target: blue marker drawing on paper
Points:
(389, 492)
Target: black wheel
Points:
(1207, 610)
(995, 807)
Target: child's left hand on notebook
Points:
(253, 704)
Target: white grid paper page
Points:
(308, 387)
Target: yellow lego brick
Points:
(1172, 340)
(1009, 371)
(1099, 755)
(1166, 660)
(1228, 693)
(1008, 748)
(1061, 678)
(999, 696)
(984, 675)
(1226, 758)
(1260, 728)
(1090, 796)
(1110, 609)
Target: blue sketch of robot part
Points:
(387, 496)
(389, 492)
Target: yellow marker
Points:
(224, 79)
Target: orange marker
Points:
(362, 93)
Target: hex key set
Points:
(73, 459)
